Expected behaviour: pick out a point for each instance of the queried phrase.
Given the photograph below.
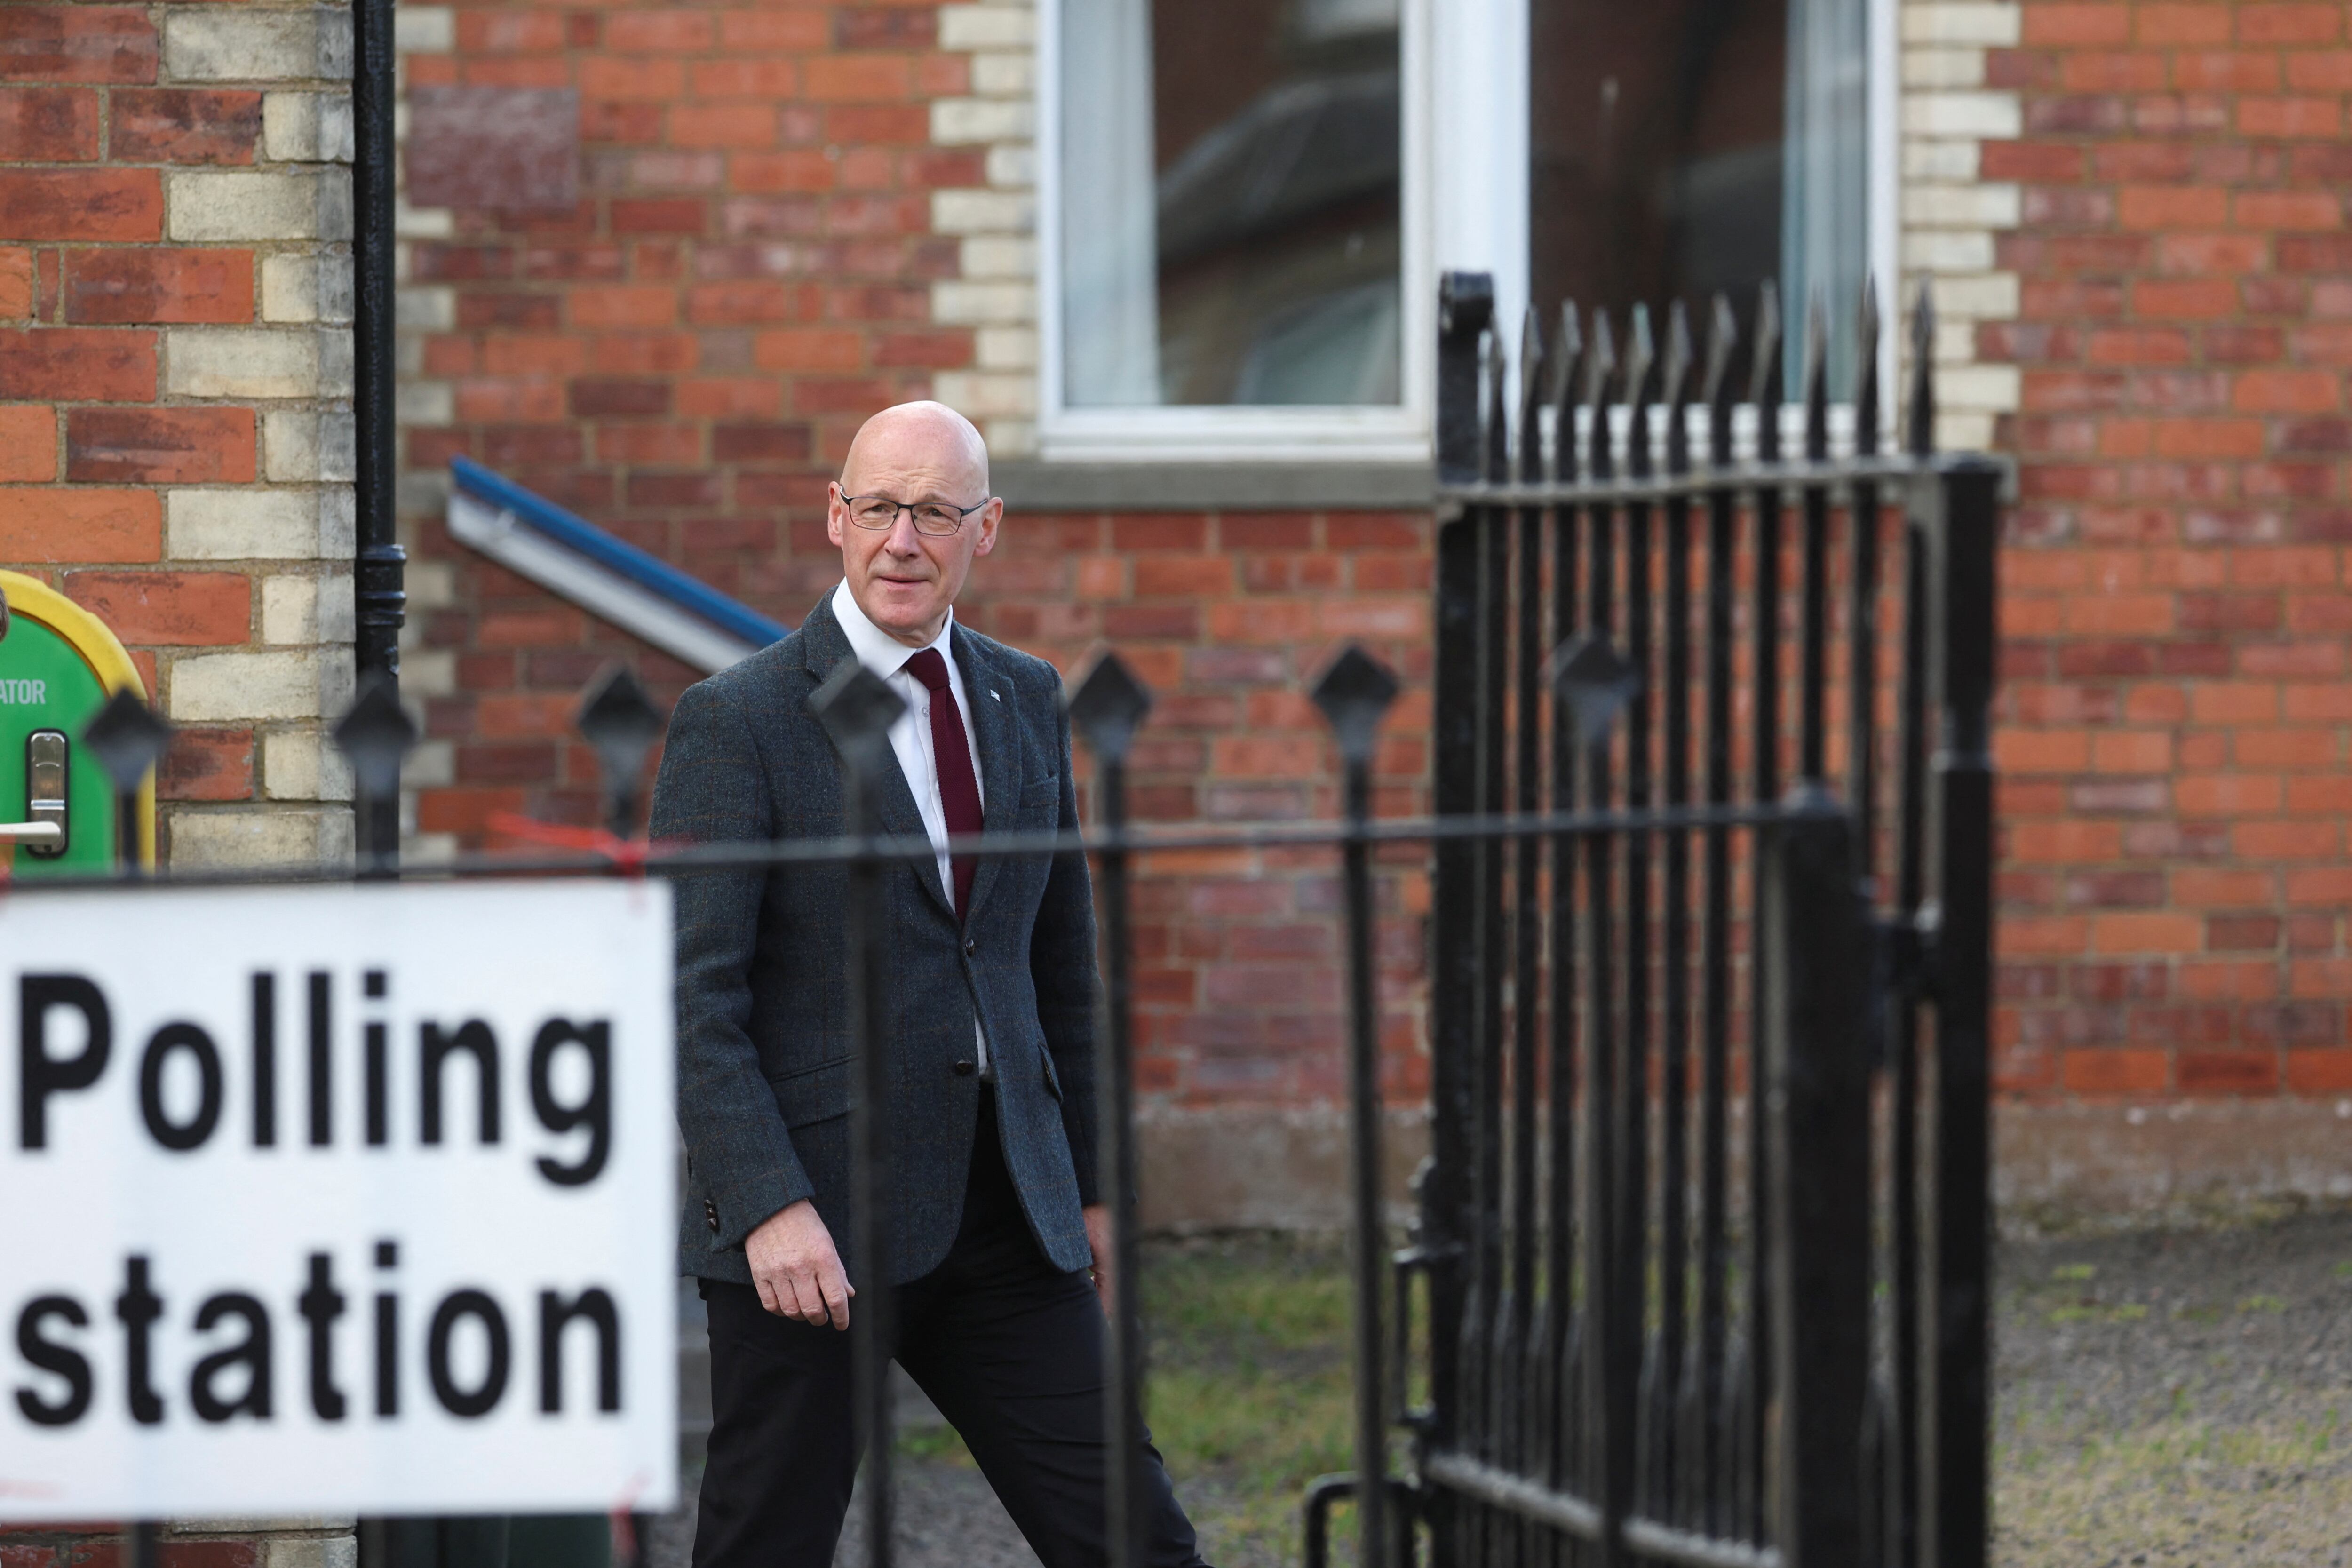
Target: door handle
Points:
(48, 757)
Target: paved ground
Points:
(2172, 1400)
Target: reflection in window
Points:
(1683, 147)
(1230, 202)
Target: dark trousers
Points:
(1008, 1347)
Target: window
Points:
(1236, 263)
(1682, 147)
(1248, 202)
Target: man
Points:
(999, 1239)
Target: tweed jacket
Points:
(765, 1064)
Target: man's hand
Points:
(797, 1268)
(1097, 1218)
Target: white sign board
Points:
(336, 1199)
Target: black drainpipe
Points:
(378, 564)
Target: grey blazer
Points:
(763, 1045)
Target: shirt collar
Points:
(877, 649)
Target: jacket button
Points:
(965, 1066)
(710, 1213)
(970, 946)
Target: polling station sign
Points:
(336, 1199)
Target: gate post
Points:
(1817, 1137)
(1958, 505)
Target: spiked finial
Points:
(375, 734)
(1865, 372)
(1674, 392)
(1108, 707)
(1564, 367)
(857, 708)
(1817, 379)
(1599, 366)
(1722, 341)
(1531, 387)
(1641, 359)
(1355, 693)
(127, 739)
(621, 723)
(1922, 412)
(1764, 374)
(1595, 681)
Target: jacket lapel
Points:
(825, 648)
(998, 741)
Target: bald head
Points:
(915, 455)
(919, 437)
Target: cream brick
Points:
(421, 223)
(985, 26)
(261, 835)
(431, 584)
(1992, 25)
(300, 446)
(205, 44)
(1984, 297)
(1013, 167)
(1991, 115)
(257, 362)
(434, 763)
(1012, 437)
(1992, 388)
(1981, 205)
(307, 127)
(994, 255)
(1959, 431)
(1956, 340)
(1947, 250)
(303, 764)
(957, 303)
(208, 687)
(982, 212)
(1925, 158)
(429, 672)
(959, 122)
(306, 288)
(1003, 74)
(424, 29)
(426, 309)
(978, 395)
(303, 611)
(1943, 68)
(216, 205)
(1005, 348)
(426, 403)
(250, 525)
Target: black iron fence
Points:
(1712, 805)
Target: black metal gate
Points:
(1654, 1333)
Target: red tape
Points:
(626, 855)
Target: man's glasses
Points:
(935, 517)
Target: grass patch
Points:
(1250, 1396)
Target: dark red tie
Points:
(952, 759)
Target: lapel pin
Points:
(995, 693)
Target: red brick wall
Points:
(163, 405)
(2177, 711)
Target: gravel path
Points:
(2176, 1399)
(2165, 1400)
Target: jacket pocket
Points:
(1053, 1079)
(815, 1093)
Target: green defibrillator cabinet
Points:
(59, 664)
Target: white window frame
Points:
(1464, 112)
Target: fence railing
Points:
(1649, 1332)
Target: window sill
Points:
(1044, 486)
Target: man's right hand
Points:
(797, 1269)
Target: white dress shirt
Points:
(910, 737)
